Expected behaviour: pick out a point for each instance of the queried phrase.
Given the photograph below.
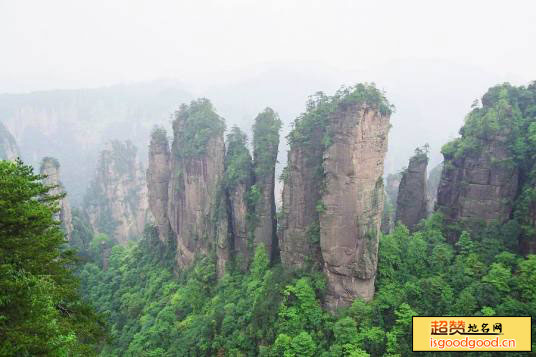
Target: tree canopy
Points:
(41, 312)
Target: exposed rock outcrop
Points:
(299, 239)
(73, 125)
(158, 182)
(333, 195)
(353, 200)
(238, 215)
(488, 173)
(392, 183)
(432, 184)
(218, 202)
(197, 168)
(480, 185)
(411, 206)
(265, 148)
(116, 202)
(50, 168)
(222, 235)
(8, 146)
(238, 181)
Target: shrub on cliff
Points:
(195, 124)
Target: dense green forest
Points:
(131, 300)
(271, 312)
(154, 310)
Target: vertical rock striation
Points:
(392, 184)
(214, 201)
(238, 180)
(8, 146)
(353, 200)
(299, 239)
(116, 202)
(196, 171)
(265, 148)
(432, 184)
(158, 182)
(217, 202)
(50, 168)
(475, 186)
(411, 205)
(333, 194)
(489, 173)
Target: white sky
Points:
(70, 43)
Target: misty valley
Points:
(204, 244)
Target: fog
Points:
(69, 44)
(432, 58)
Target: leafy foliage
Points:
(152, 310)
(238, 164)
(270, 312)
(311, 136)
(194, 126)
(159, 136)
(41, 312)
(266, 142)
(422, 152)
(509, 113)
(320, 106)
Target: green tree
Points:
(194, 126)
(41, 312)
(282, 346)
(499, 277)
(265, 142)
(526, 280)
(303, 345)
(238, 164)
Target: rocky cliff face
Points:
(432, 184)
(479, 185)
(116, 202)
(85, 119)
(8, 146)
(194, 191)
(214, 201)
(392, 182)
(238, 181)
(299, 239)
(50, 168)
(353, 200)
(238, 217)
(158, 182)
(412, 204)
(265, 148)
(489, 172)
(333, 195)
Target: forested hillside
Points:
(270, 312)
(217, 272)
(267, 178)
(472, 267)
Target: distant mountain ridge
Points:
(73, 125)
